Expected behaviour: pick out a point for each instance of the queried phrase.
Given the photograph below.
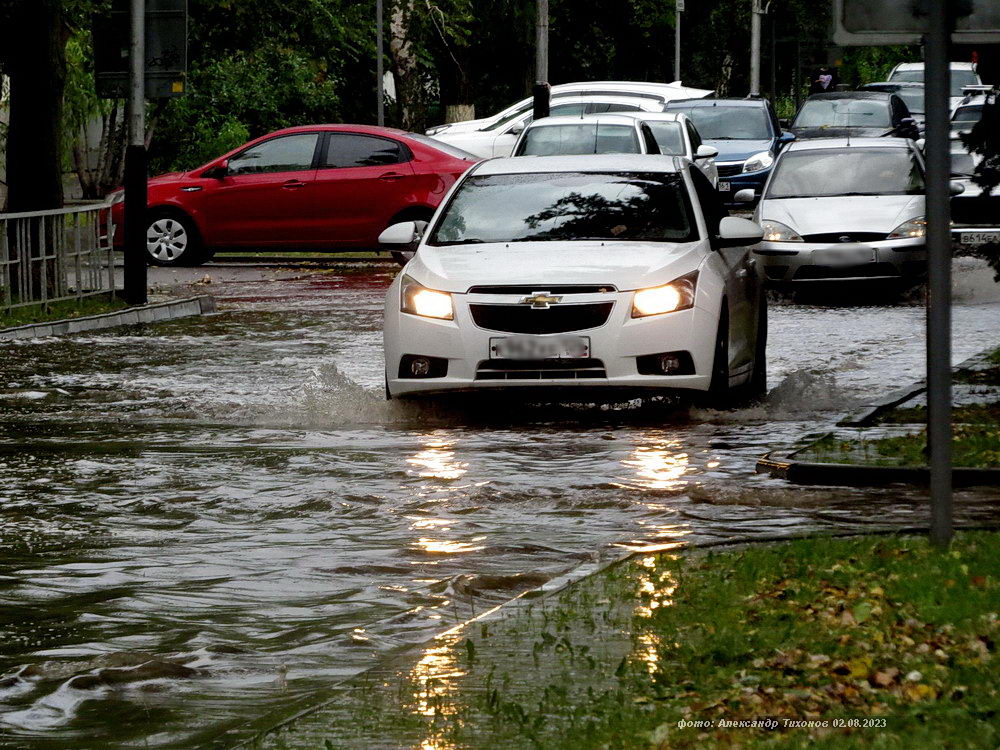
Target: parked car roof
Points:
(613, 163)
(603, 118)
(812, 144)
(884, 95)
(717, 102)
(890, 86)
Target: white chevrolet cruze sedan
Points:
(618, 273)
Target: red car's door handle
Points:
(388, 176)
(291, 184)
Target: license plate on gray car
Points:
(540, 347)
(979, 238)
(850, 255)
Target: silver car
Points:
(843, 209)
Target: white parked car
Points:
(843, 209)
(643, 89)
(640, 133)
(616, 273)
(962, 74)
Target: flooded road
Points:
(204, 523)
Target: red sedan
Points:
(316, 187)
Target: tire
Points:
(172, 239)
(719, 393)
(418, 215)
(757, 386)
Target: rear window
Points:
(579, 138)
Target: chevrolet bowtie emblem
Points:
(540, 300)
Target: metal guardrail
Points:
(54, 255)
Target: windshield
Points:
(720, 123)
(913, 97)
(959, 78)
(847, 171)
(567, 206)
(965, 118)
(579, 138)
(668, 137)
(843, 113)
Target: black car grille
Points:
(547, 288)
(730, 170)
(541, 369)
(867, 270)
(560, 318)
(845, 237)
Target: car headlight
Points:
(757, 162)
(677, 295)
(417, 299)
(775, 231)
(118, 196)
(909, 229)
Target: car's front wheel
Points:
(173, 240)
(719, 393)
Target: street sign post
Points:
(936, 23)
(677, 38)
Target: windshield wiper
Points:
(468, 241)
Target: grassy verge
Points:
(973, 445)
(61, 310)
(852, 643)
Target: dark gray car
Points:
(865, 114)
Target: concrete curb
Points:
(181, 308)
(856, 475)
(866, 414)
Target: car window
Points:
(354, 150)
(959, 78)
(848, 171)
(719, 122)
(694, 137)
(539, 207)
(965, 118)
(618, 107)
(899, 109)
(848, 113)
(288, 153)
(669, 137)
(652, 147)
(913, 97)
(712, 207)
(579, 138)
(561, 110)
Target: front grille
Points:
(851, 237)
(559, 318)
(846, 272)
(730, 170)
(541, 369)
(550, 289)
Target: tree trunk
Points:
(37, 70)
(410, 93)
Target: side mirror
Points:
(956, 188)
(218, 172)
(921, 142)
(746, 195)
(405, 233)
(786, 137)
(517, 128)
(736, 232)
(706, 152)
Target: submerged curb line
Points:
(181, 308)
(784, 465)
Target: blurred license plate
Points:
(978, 238)
(724, 187)
(844, 256)
(536, 347)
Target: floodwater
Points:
(206, 522)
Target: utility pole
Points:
(380, 64)
(937, 78)
(679, 8)
(135, 162)
(756, 11)
(541, 90)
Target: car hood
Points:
(840, 132)
(852, 213)
(625, 265)
(738, 150)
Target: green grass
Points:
(973, 445)
(834, 631)
(61, 310)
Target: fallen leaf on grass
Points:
(884, 677)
